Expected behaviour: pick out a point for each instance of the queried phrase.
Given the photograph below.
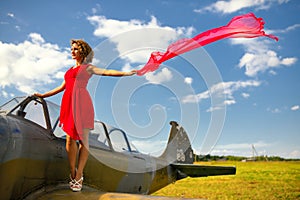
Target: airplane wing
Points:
(63, 193)
(192, 170)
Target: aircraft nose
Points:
(4, 137)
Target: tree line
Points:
(208, 157)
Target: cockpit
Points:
(45, 114)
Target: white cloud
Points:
(245, 95)
(11, 15)
(231, 6)
(258, 144)
(259, 58)
(274, 110)
(154, 148)
(272, 72)
(36, 38)
(135, 39)
(288, 61)
(96, 9)
(110, 27)
(159, 77)
(18, 28)
(4, 94)
(59, 75)
(245, 149)
(7, 95)
(30, 64)
(296, 107)
(223, 90)
(294, 154)
(229, 102)
(242, 149)
(196, 98)
(127, 67)
(15, 20)
(286, 30)
(188, 80)
(279, 110)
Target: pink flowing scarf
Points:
(243, 26)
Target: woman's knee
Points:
(85, 137)
(70, 143)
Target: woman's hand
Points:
(52, 92)
(132, 72)
(38, 95)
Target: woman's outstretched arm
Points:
(52, 92)
(108, 72)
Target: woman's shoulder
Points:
(89, 67)
(86, 68)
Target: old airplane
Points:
(34, 164)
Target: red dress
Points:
(77, 112)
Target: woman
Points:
(77, 113)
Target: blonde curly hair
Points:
(86, 52)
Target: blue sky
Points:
(228, 95)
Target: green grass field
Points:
(253, 180)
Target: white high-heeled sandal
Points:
(77, 186)
(72, 182)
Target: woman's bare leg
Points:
(72, 149)
(83, 153)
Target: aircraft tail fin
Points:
(179, 148)
(179, 155)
